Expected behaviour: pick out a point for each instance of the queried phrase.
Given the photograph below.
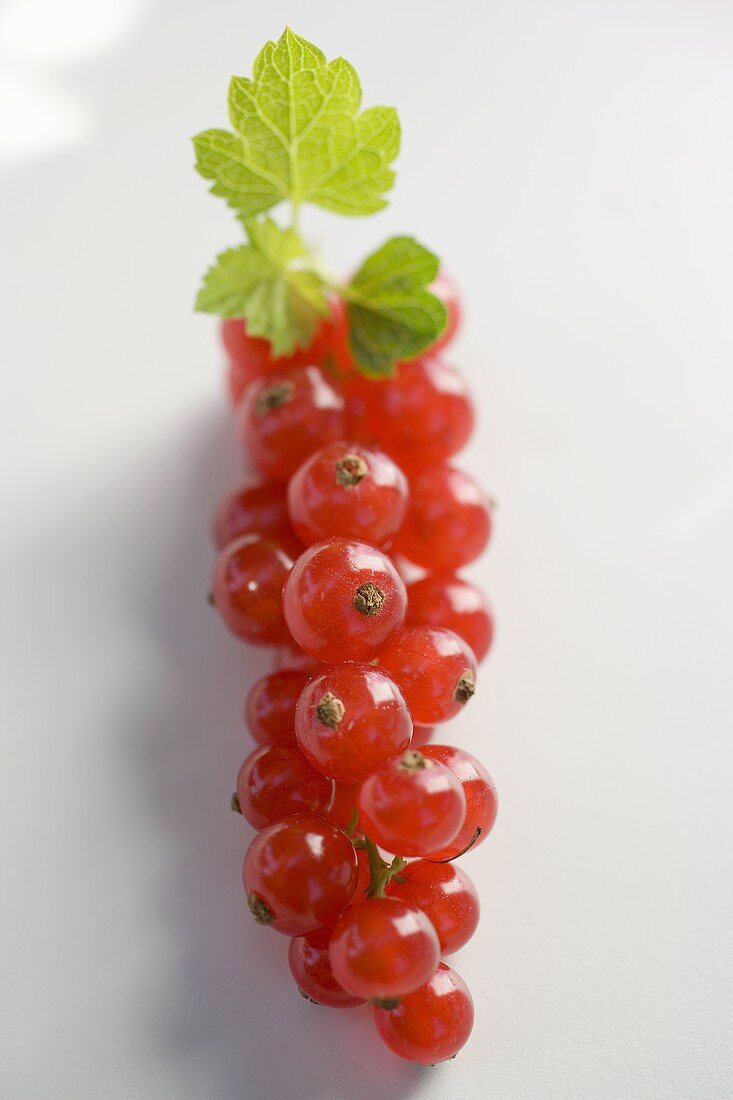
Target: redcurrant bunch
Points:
(341, 552)
(363, 670)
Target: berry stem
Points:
(463, 851)
(381, 871)
(351, 827)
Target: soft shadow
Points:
(229, 1010)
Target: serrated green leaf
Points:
(219, 157)
(299, 137)
(392, 314)
(279, 246)
(256, 281)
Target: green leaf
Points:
(298, 136)
(262, 282)
(392, 314)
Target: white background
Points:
(573, 163)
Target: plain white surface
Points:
(573, 163)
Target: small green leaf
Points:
(299, 137)
(219, 157)
(261, 282)
(392, 314)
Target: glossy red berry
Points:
(344, 600)
(338, 358)
(445, 289)
(291, 656)
(284, 418)
(342, 808)
(435, 669)
(249, 577)
(311, 969)
(299, 875)
(276, 781)
(254, 508)
(251, 357)
(365, 876)
(448, 520)
(350, 490)
(481, 798)
(406, 569)
(431, 1024)
(445, 894)
(422, 735)
(420, 417)
(444, 600)
(412, 805)
(382, 949)
(270, 708)
(350, 719)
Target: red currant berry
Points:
(409, 572)
(481, 798)
(431, 1024)
(448, 520)
(344, 600)
(383, 949)
(249, 576)
(445, 289)
(282, 419)
(435, 669)
(270, 708)
(310, 966)
(343, 806)
(412, 805)
(276, 781)
(421, 735)
(338, 358)
(448, 601)
(445, 894)
(365, 876)
(347, 489)
(251, 357)
(255, 508)
(300, 875)
(420, 417)
(291, 656)
(350, 719)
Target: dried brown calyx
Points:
(259, 910)
(330, 711)
(274, 397)
(369, 599)
(413, 761)
(350, 470)
(466, 687)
